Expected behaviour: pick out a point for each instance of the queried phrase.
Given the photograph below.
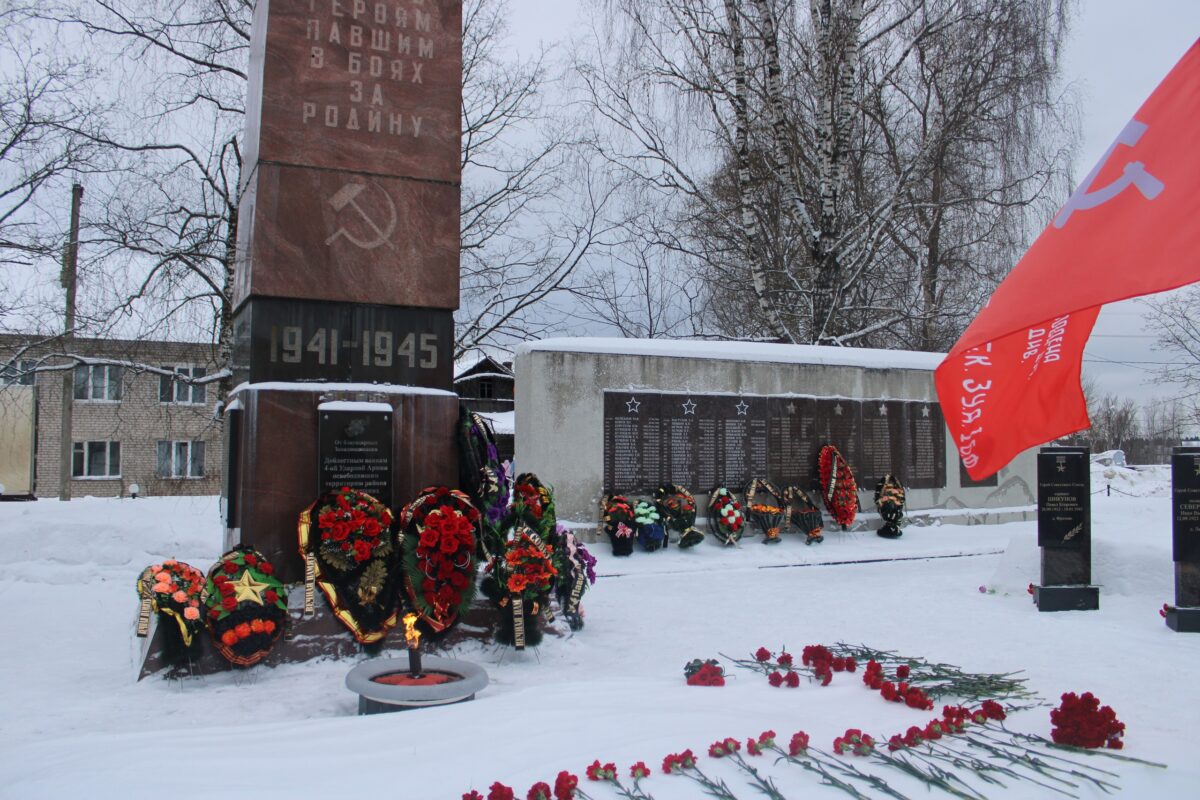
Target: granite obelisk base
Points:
(1065, 531)
(276, 467)
(1185, 536)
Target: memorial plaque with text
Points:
(1064, 498)
(355, 450)
(705, 441)
(1185, 504)
(363, 85)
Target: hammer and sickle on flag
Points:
(1012, 381)
(1134, 175)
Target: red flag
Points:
(1131, 228)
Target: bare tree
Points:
(42, 105)
(1174, 318)
(975, 103)
(805, 154)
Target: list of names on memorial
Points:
(705, 441)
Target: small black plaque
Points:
(356, 451)
(278, 339)
(1185, 504)
(1064, 498)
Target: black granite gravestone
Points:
(355, 446)
(1185, 531)
(1065, 530)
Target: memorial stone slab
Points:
(1185, 533)
(1064, 530)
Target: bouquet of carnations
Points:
(725, 517)
(677, 508)
(766, 506)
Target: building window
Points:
(173, 390)
(181, 459)
(487, 389)
(98, 382)
(21, 373)
(96, 460)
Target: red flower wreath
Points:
(838, 487)
(439, 554)
(352, 522)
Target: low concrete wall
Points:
(561, 385)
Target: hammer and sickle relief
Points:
(367, 232)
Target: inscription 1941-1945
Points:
(1064, 498)
(356, 448)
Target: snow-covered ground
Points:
(74, 722)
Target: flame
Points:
(411, 635)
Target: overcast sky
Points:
(1117, 53)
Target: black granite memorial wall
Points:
(710, 440)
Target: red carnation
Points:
(792, 680)
(270, 596)
(229, 603)
(472, 795)
(762, 654)
(775, 679)
(785, 659)
(539, 791)
(265, 568)
(229, 567)
(565, 785)
(499, 791)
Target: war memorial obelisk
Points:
(347, 272)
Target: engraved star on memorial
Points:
(742, 407)
(882, 410)
(1062, 467)
(791, 407)
(838, 409)
(632, 405)
(689, 407)
(924, 411)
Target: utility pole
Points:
(69, 263)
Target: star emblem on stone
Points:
(838, 409)
(632, 405)
(246, 588)
(882, 410)
(791, 407)
(925, 411)
(689, 407)
(1062, 467)
(742, 407)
